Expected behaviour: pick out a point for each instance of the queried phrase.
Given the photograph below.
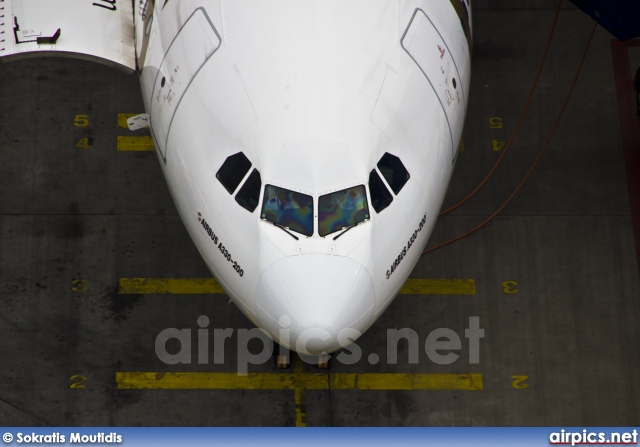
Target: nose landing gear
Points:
(282, 356)
(282, 359)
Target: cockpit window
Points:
(342, 209)
(233, 171)
(380, 196)
(393, 171)
(249, 194)
(289, 209)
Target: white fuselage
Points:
(314, 94)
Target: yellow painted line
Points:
(135, 144)
(213, 381)
(134, 286)
(400, 381)
(122, 119)
(439, 287)
(301, 409)
(293, 381)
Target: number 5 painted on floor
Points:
(81, 121)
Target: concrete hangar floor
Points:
(553, 279)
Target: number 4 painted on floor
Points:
(84, 143)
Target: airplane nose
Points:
(312, 302)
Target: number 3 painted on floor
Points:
(509, 287)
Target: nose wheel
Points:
(324, 362)
(283, 361)
(282, 357)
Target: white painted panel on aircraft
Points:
(268, 24)
(354, 23)
(101, 30)
(194, 44)
(412, 118)
(340, 76)
(427, 48)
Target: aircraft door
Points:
(194, 44)
(430, 52)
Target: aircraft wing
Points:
(102, 31)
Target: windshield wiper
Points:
(283, 228)
(347, 228)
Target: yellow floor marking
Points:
(439, 287)
(301, 409)
(84, 143)
(135, 286)
(215, 381)
(135, 144)
(122, 119)
(400, 381)
(79, 285)
(292, 381)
